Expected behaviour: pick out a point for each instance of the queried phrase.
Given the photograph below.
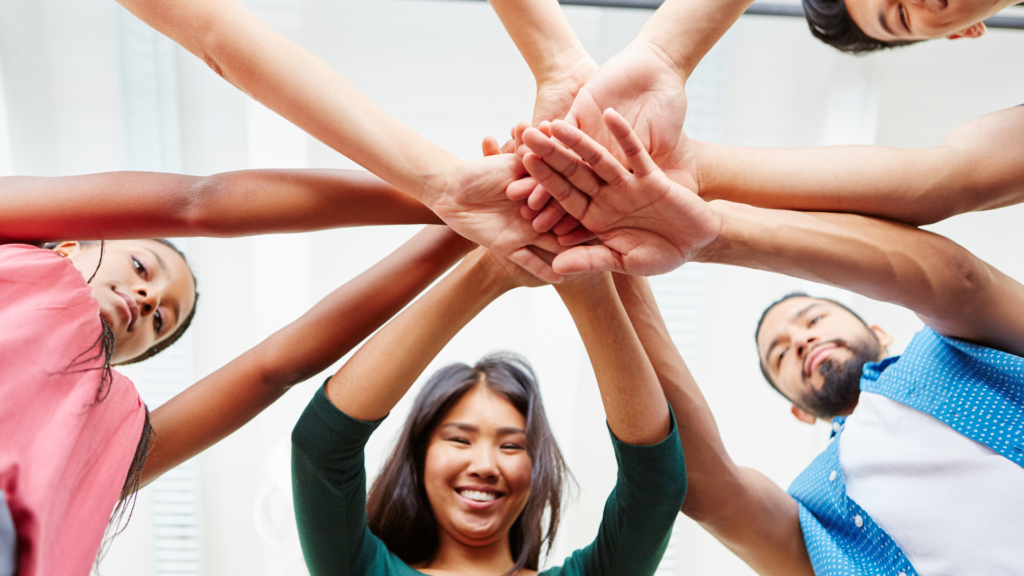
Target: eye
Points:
(158, 322)
(903, 19)
(814, 320)
(458, 440)
(781, 354)
(139, 266)
(512, 447)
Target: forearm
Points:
(708, 466)
(222, 402)
(542, 34)
(952, 290)
(286, 78)
(684, 30)
(127, 205)
(975, 167)
(369, 385)
(747, 512)
(633, 401)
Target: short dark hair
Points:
(397, 508)
(830, 22)
(757, 331)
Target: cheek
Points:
(440, 466)
(518, 472)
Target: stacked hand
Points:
(646, 223)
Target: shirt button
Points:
(832, 478)
(835, 426)
(858, 521)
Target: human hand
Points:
(558, 88)
(508, 274)
(471, 200)
(648, 89)
(646, 223)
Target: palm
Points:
(555, 98)
(472, 202)
(646, 90)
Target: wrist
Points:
(565, 62)
(725, 213)
(663, 51)
(482, 267)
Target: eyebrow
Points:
(163, 268)
(502, 431)
(775, 342)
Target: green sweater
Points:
(329, 487)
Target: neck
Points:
(456, 557)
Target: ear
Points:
(883, 337)
(68, 248)
(975, 31)
(803, 416)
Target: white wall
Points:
(449, 71)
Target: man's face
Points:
(814, 350)
(895, 20)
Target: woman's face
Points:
(477, 470)
(144, 288)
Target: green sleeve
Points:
(639, 513)
(329, 493)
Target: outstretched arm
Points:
(369, 385)
(256, 59)
(222, 402)
(633, 400)
(648, 223)
(742, 508)
(124, 205)
(976, 167)
(551, 49)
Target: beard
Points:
(841, 390)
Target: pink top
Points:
(63, 457)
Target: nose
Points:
(484, 465)
(146, 298)
(802, 340)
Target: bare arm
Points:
(123, 205)
(300, 87)
(551, 49)
(369, 385)
(950, 289)
(742, 508)
(633, 400)
(976, 167)
(222, 402)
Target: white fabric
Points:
(952, 505)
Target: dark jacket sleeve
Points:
(329, 491)
(639, 513)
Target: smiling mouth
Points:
(477, 495)
(816, 357)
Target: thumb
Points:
(584, 259)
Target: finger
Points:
(549, 243)
(545, 128)
(534, 265)
(584, 259)
(572, 200)
(528, 213)
(508, 147)
(517, 135)
(565, 162)
(520, 189)
(490, 146)
(565, 225)
(548, 217)
(538, 198)
(577, 236)
(600, 160)
(639, 160)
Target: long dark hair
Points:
(397, 507)
(103, 349)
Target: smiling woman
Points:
(476, 469)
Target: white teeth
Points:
(477, 496)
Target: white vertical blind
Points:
(6, 167)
